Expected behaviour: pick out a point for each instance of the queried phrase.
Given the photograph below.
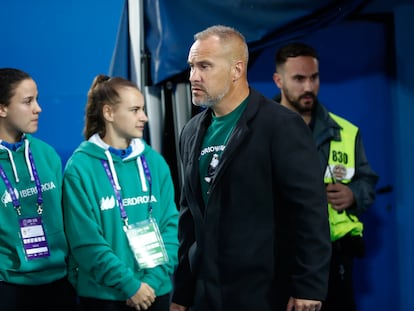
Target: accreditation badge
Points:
(33, 238)
(146, 243)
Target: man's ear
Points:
(3, 111)
(277, 78)
(238, 70)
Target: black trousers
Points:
(59, 295)
(341, 290)
(161, 303)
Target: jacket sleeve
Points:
(184, 282)
(364, 181)
(302, 210)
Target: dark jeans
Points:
(59, 295)
(341, 291)
(161, 303)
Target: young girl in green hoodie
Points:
(120, 214)
(33, 247)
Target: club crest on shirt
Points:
(212, 167)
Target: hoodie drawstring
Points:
(112, 168)
(26, 156)
(13, 165)
(142, 175)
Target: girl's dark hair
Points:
(10, 78)
(104, 91)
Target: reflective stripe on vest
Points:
(341, 168)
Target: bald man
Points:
(253, 230)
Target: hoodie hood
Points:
(6, 152)
(97, 148)
(138, 146)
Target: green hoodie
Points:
(102, 263)
(14, 267)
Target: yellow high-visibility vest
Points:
(341, 168)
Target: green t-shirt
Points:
(214, 143)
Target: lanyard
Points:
(118, 194)
(148, 176)
(10, 189)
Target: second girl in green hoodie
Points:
(119, 210)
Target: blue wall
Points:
(63, 45)
(404, 149)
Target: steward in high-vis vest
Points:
(343, 160)
(341, 168)
(349, 180)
